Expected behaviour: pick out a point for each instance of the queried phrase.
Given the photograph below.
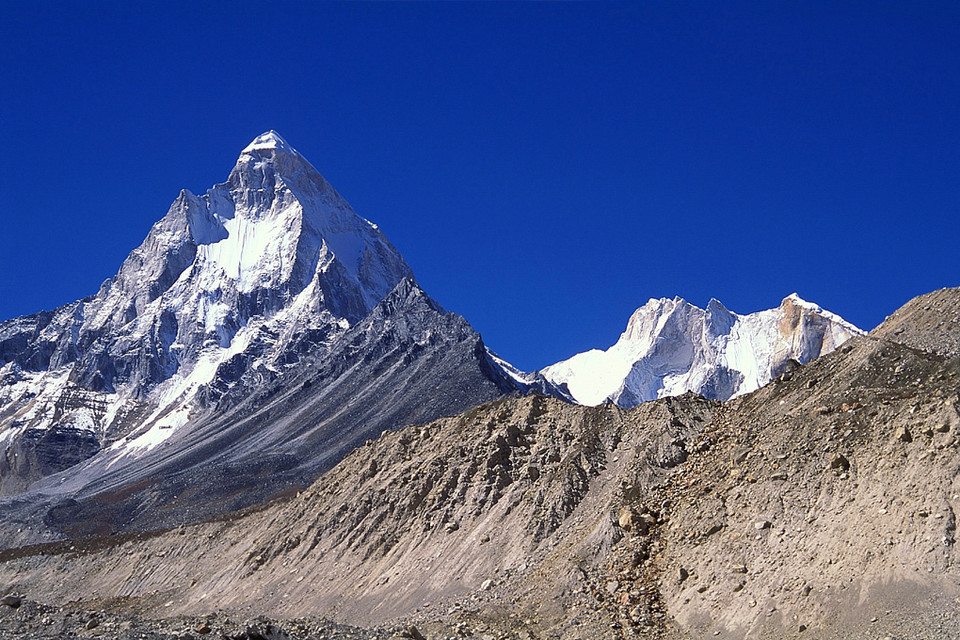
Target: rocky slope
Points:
(517, 493)
(259, 333)
(929, 322)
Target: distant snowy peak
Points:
(671, 346)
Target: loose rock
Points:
(839, 461)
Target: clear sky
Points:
(544, 168)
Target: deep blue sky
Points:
(544, 168)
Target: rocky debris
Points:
(11, 601)
(930, 322)
(510, 527)
(798, 429)
(262, 631)
(411, 632)
(37, 621)
(839, 461)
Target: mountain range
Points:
(264, 329)
(822, 505)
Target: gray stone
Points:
(839, 461)
(413, 632)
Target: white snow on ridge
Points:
(256, 251)
(591, 376)
(520, 377)
(269, 141)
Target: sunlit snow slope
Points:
(671, 346)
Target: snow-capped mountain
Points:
(671, 347)
(268, 283)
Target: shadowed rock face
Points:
(408, 362)
(40, 452)
(259, 333)
(826, 499)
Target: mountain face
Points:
(671, 347)
(268, 290)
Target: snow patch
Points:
(268, 141)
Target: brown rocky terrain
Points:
(929, 322)
(821, 506)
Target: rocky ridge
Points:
(930, 322)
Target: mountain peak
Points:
(269, 141)
(793, 298)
